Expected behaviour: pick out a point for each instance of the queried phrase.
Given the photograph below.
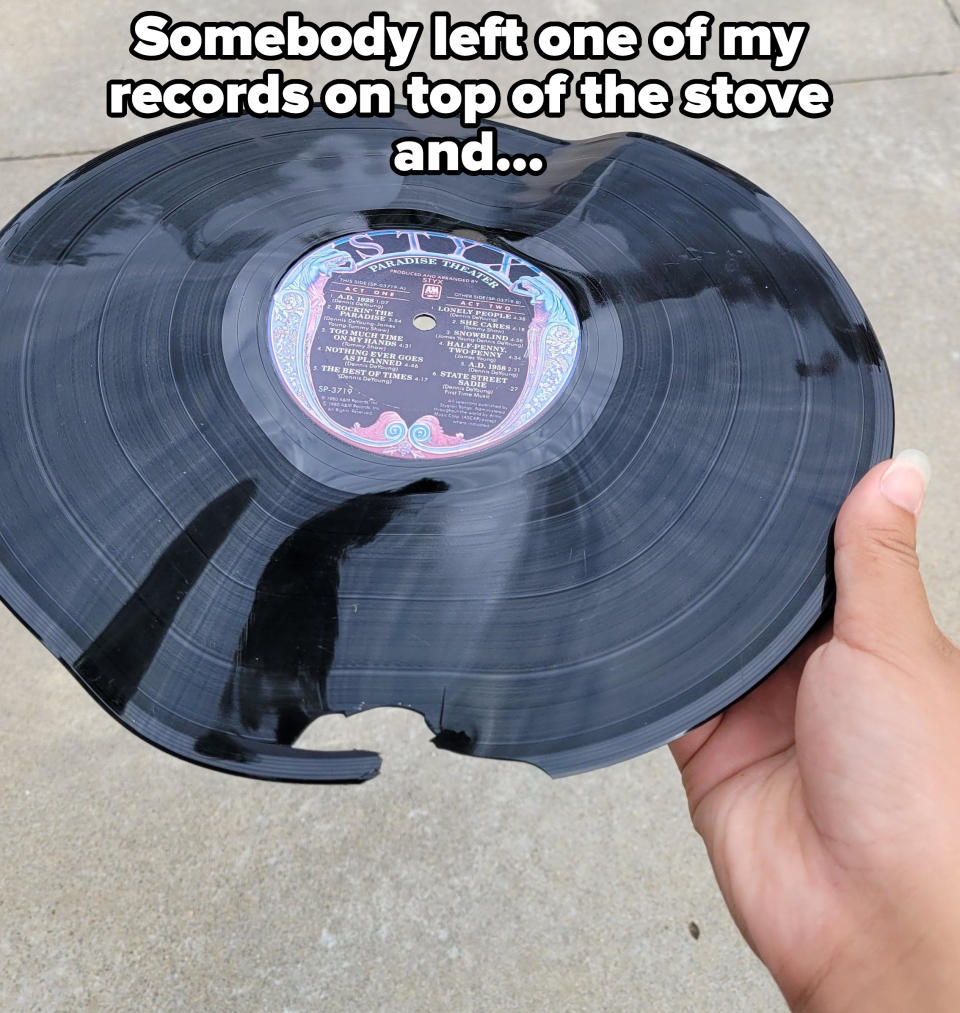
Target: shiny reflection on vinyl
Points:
(662, 413)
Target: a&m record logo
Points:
(431, 290)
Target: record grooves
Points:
(552, 460)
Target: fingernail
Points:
(906, 480)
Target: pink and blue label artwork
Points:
(421, 344)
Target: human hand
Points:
(829, 797)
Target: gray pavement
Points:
(131, 880)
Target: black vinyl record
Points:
(552, 460)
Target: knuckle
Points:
(884, 543)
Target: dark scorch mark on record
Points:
(278, 683)
(279, 679)
(828, 364)
(116, 662)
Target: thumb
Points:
(881, 604)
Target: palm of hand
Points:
(806, 795)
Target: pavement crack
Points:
(954, 17)
(51, 154)
(893, 77)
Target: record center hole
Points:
(425, 321)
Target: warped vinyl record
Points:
(552, 460)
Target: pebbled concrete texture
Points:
(133, 880)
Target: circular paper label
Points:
(421, 344)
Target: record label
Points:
(421, 344)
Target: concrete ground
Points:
(131, 880)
